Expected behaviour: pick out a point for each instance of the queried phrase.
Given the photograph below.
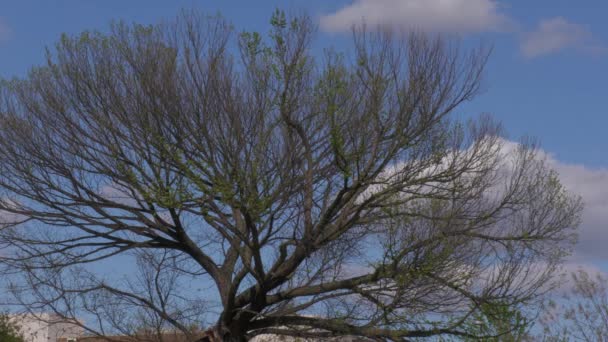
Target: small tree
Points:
(9, 330)
(581, 314)
(311, 196)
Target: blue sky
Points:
(546, 78)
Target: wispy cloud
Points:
(454, 16)
(557, 34)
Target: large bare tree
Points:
(313, 195)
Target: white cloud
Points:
(462, 17)
(556, 34)
(590, 253)
(589, 183)
(453, 16)
(592, 185)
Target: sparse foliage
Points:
(310, 196)
(502, 323)
(581, 314)
(9, 330)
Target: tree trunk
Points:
(224, 334)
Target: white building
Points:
(45, 327)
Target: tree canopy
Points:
(312, 194)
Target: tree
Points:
(502, 323)
(316, 196)
(581, 314)
(9, 331)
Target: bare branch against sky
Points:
(313, 196)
